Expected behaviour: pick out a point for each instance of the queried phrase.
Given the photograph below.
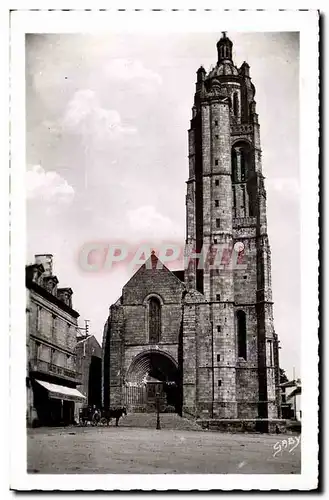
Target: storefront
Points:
(54, 404)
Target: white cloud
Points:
(288, 186)
(131, 69)
(85, 116)
(47, 186)
(146, 222)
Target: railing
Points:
(244, 221)
(243, 128)
(134, 395)
(45, 367)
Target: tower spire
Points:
(224, 49)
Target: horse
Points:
(116, 413)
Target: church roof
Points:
(152, 263)
(223, 69)
(224, 66)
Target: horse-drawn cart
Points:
(93, 416)
(89, 416)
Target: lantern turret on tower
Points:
(224, 49)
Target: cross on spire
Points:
(224, 34)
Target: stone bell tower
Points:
(226, 209)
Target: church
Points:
(205, 335)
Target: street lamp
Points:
(158, 427)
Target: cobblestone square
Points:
(123, 450)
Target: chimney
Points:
(65, 295)
(47, 261)
(50, 283)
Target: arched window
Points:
(234, 197)
(242, 334)
(235, 104)
(243, 165)
(234, 166)
(251, 206)
(154, 320)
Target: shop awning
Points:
(62, 392)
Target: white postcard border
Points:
(306, 22)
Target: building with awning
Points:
(62, 392)
(52, 377)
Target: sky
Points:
(106, 128)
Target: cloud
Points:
(85, 116)
(146, 222)
(129, 69)
(47, 186)
(288, 186)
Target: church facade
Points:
(206, 333)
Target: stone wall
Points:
(116, 355)
(47, 321)
(152, 281)
(86, 349)
(52, 333)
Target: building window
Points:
(154, 320)
(216, 162)
(53, 325)
(216, 182)
(218, 223)
(218, 297)
(271, 352)
(37, 350)
(234, 164)
(216, 136)
(218, 328)
(242, 334)
(218, 358)
(38, 320)
(216, 203)
(235, 104)
(215, 241)
(244, 200)
(244, 165)
(216, 123)
(234, 197)
(219, 383)
(251, 208)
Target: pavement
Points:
(121, 450)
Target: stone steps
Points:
(167, 421)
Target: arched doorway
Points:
(156, 365)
